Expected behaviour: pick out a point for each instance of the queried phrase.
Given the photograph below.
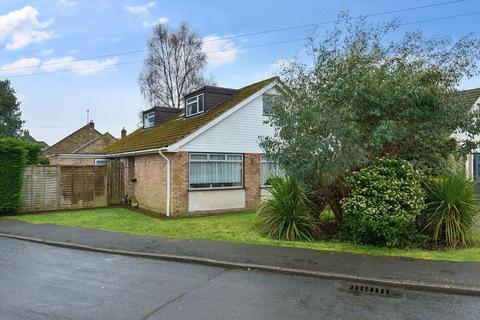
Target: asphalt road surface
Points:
(43, 282)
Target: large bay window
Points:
(208, 170)
(267, 170)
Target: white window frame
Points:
(194, 100)
(263, 160)
(208, 159)
(148, 116)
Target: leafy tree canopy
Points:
(366, 94)
(10, 121)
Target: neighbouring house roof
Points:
(178, 127)
(469, 97)
(26, 136)
(97, 145)
(74, 140)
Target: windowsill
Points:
(265, 187)
(216, 189)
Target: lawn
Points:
(235, 227)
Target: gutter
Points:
(168, 180)
(133, 153)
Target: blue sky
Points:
(46, 35)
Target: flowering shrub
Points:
(383, 201)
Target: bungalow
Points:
(204, 157)
(82, 147)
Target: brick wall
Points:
(179, 196)
(71, 162)
(150, 189)
(128, 175)
(252, 180)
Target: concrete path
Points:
(454, 277)
(44, 282)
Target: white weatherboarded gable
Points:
(237, 133)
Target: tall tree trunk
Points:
(333, 195)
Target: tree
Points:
(10, 121)
(363, 97)
(174, 65)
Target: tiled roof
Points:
(178, 127)
(74, 140)
(469, 97)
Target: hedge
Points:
(13, 159)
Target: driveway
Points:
(43, 282)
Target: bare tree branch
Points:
(174, 66)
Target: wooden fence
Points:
(64, 187)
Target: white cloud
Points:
(139, 10)
(82, 67)
(22, 27)
(46, 52)
(219, 51)
(66, 3)
(32, 65)
(152, 23)
(280, 64)
(21, 66)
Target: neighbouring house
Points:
(471, 98)
(27, 137)
(82, 147)
(204, 157)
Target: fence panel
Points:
(64, 187)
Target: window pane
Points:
(269, 169)
(267, 104)
(217, 157)
(198, 156)
(192, 100)
(200, 103)
(235, 157)
(476, 165)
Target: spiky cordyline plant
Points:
(451, 207)
(284, 215)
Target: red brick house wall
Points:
(252, 180)
(150, 187)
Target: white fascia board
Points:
(134, 153)
(77, 155)
(177, 145)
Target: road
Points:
(43, 282)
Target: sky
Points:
(41, 42)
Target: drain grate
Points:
(369, 289)
(359, 288)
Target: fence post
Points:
(59, 196)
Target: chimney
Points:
(26, 133)
(123, 133)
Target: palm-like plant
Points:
(451, 207)
(284, 214)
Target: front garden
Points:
(235, 227)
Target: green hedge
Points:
(13, 159)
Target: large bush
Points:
(451, 207)
(284, 215)
(13, 160)
(383, 202)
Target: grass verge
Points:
(235, 227)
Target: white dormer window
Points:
(194, 105)
(149, 120)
